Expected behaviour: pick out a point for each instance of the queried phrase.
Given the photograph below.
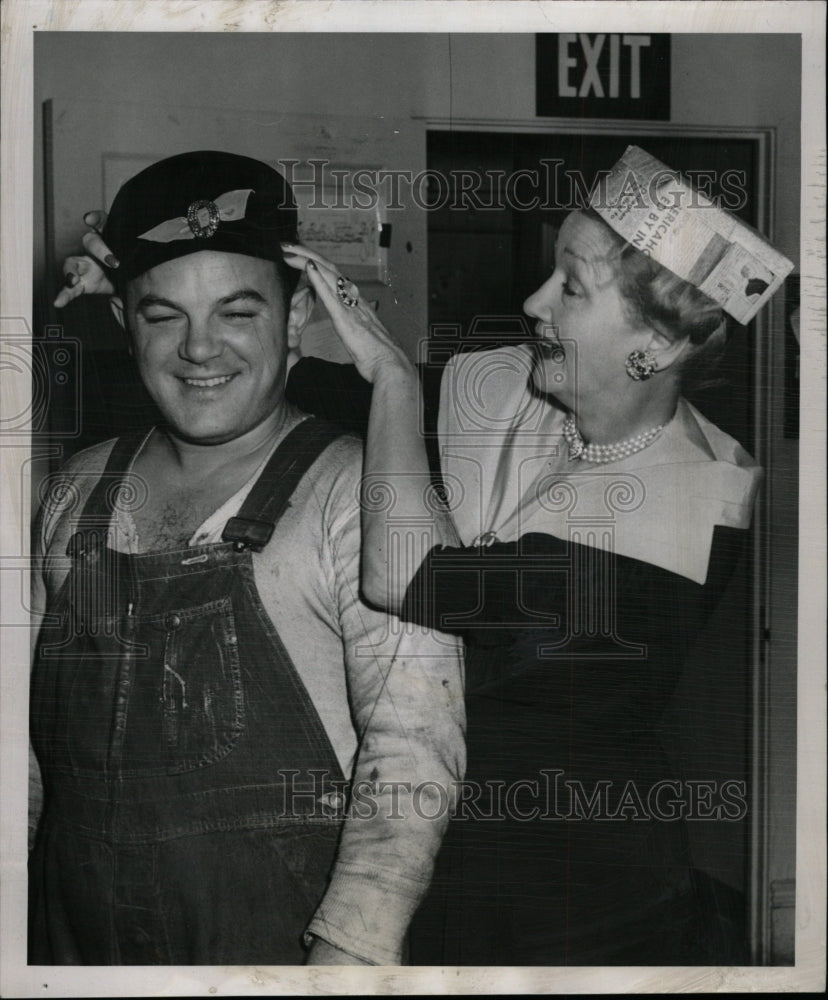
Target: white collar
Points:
(660, 505)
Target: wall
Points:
(727, 80)
(738, 80)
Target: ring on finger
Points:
(347, 291)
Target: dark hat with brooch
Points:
(204, 200)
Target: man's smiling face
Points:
(209, 333)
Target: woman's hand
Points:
(374, 352)
(84, 275)
(395, 457)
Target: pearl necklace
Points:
(602, 453)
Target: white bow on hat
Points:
(202, 218)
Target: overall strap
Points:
(97, 511)
(253, 526)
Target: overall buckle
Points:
(247, 533)
(85, 542)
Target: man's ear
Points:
(301, 307)
(116, 304)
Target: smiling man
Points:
(242, 762)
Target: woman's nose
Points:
(539, 303)
(201, 343)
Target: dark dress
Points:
(569, 846)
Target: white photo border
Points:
(20, 19)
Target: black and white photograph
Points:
(413, 525)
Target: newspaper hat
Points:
(663, 216)
(204, 200)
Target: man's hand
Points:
(322, 953)
(85, 275)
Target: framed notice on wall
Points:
(338, 221)
(603, 76)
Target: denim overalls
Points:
(193, 801)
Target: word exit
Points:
(603, 76)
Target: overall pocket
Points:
(202, 697)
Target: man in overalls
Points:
(242, 763)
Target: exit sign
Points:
(603, 76)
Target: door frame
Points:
(765, 389)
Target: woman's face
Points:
(583, 328)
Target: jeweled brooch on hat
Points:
(203, 218)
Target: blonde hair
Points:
(658, 298)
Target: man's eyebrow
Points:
(242, 293)
(155, 300)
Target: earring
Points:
(640, 365)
